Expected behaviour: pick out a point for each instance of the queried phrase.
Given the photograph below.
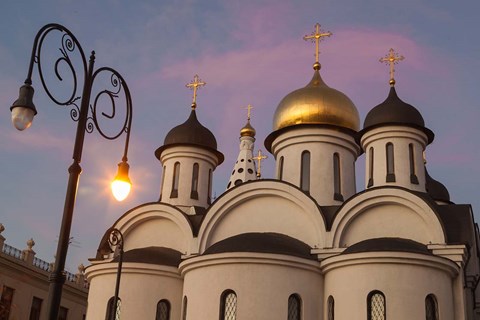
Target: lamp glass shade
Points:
(22, 117)
(120, 189)
(121, 185)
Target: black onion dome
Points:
(395, 111)
(387, 244)
(191, 132)
(268, 242)
(436, 189)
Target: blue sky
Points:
(248, 52)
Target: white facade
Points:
(286, 249)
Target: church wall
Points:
(322, 143)
(405, 279)
(400, 137)
(386, 212)
(262, 282)
(142, 286)
(187, 156)
(160, 232)
(263, 206)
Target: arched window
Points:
(163, 310)
(184, 312)
(390, 163)
(176, 179)
(370, 167)
(162, 183)
(294, 307)
(305, 172)
(280, 168)
(209, 200)
(431, 308)
(376, 306)
(411, 155)
(194, 192)
(228, 305)
(330, 308)
(112, 314)
(337, 181)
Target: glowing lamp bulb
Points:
(121, 185)
(121, 189)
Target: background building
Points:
(305, 244)
(24, 286)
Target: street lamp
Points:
(115, 241)
(23, 110)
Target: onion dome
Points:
(247, 130)
(394, 111)
(192, 133)
(436, 189)
(316, 103)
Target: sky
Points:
(248, 52)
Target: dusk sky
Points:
(248, 52)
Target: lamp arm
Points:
(69, 44)
(117, 85)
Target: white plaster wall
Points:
(387, 220)
(187, 156)
(156, 224)
(262, 282)
(400, 137)
(160, 232)
(142, 286)
(385, 212)
(263, 206)
(322, 143)
(405, 280)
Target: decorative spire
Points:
(392, 58)
(316, 37)
(248, 130)
(259, 159)
(194, 85)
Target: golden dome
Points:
(247, 130)
(316, 103)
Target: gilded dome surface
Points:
(248, 130)
(316, 103)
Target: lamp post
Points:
(115, 241)
(23, 110)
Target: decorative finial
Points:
(81, 268)
(259, 159)
(316, 37)
(30, 244)
(392, 59)
(194, 85)
(2, 228)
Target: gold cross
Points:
(392, 59)
(259, 159)
(249, 111)
(195, 84)
(317, 36)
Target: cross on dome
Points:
(249, 111)
(316, 37)
(194, 85)
(259, 159)
(392, 58)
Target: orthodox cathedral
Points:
(304, 244)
